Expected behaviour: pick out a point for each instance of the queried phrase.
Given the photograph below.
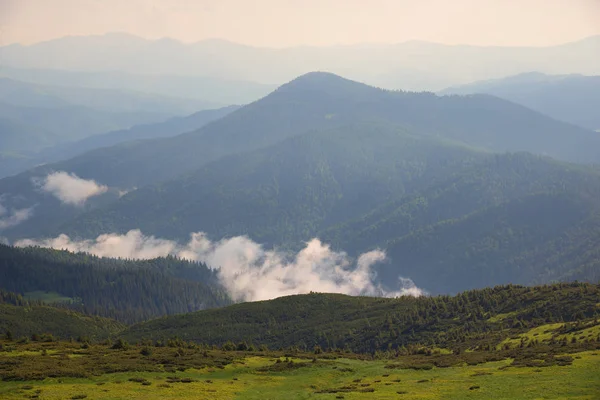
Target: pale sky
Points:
(282, 23)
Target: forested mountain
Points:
(414, 65)
(511, 218)
(366, 324)
(29, 129)
(570, 98)
(171, 127)
(450, 218)
(21, 318)
(285, 193)
(320, 101)
(125, 290)
(32, 120)
(314, 102)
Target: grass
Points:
(48, 297)
(557, 332)
(213, 374)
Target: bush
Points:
(146, 351)
(120, 345)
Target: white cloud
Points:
(246, 269)
(69, 188)
(12, 218)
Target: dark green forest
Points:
(450, 218)
(125, 290)
(21, 318)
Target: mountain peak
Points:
(326, 82)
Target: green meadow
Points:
(69, 370)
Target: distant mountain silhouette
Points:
(570, 98)
(413, 65)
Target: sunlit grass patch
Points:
(48, 297)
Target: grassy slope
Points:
(28, 320)
(247, 379)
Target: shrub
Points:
(146, 351)
(120, 345)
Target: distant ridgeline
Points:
(125, 290)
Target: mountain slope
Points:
(30, 129)
(21, 318)
(128, 291)
(27, 94)
(366, 324)
(319, 101)
(571, 98)
(285, 193)
(449, 218)
(314, 102)
(171, 127)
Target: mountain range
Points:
(412, 65)
(426, 178)
(171, 127)
(571, 98)
(116, 88)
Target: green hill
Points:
(364, 324)
(24, 319)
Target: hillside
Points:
(24, 319)
(314, 102)
(125, 290)
(570, 98)
(27, 94)
(509, 219)
(285, 193)
(171, 127)
(44, 121)
(47, 126)
(448, 217)
(367, 324)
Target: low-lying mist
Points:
(247, 270)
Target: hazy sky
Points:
(279, 23)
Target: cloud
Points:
(13, 217)
(69, 188)
(247, 270)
